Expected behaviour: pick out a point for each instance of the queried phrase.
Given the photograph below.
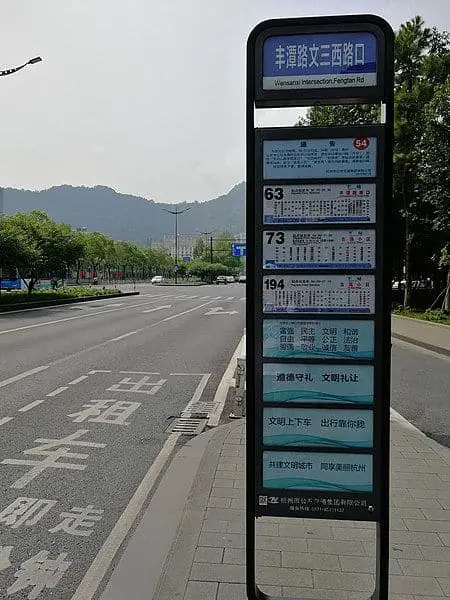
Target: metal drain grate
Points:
(187, 426)
(199, 410)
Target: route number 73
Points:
(278, 235)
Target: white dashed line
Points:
(31, 405)
(57, 391)
(78, 380)
(121, 337)
(23, 375)
(4, 420)
(229, 298)
(95, 371)
(204, 297)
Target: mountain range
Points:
(127, 217)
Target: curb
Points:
(415, 342)
(49, 303)
(174, 506)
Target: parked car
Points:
(221, 279)
(242, 278)
(157, 280)
(230, 278)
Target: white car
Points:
(157, 280)
(230, 278)
(242, 278)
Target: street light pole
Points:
(176, 213)
(207, 233)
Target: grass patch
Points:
(22, 297)
(434, 316)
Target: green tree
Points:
(222, 252)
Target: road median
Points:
(27, 305)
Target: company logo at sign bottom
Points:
(318, 471)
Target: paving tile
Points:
(226, 474)
(235, 527)
(424, 538)
(222, 540)
(435, 553)
(214, 526)
(404, 584)
(231, 591)
(347, 534)
(444, 474)
(219, 502)
(224, 483)
(366, 564)
(282, 576)
(335, 547)
(200, 590)
(264, 558)
(428, 525)
(425, 568)
(209, 555)
(240, 485)
(226, 492)
(445, 539)
(302, 531)
(238, 503)
(437, 515)
(417, 492)
(220, 573)
(309, 560)
(407, 513)
(330, 580)
(264, 528)
(231, 450)
(444, 582)
(265, 542)
(222, 514)
(295, 592)
(420, 503)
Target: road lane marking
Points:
(204, 297)
(229, 298)
(149, 310)
(189, 374)
(197, 394)
(191, 297)
(78, 380)
(4, 420)
(185, 312)
(57, 391)
(23, 375)
(101, 563)
(138, 373)
(217, 298)
(93, 314)
(95, 371)
(218, 310)
(31, 405)
(121, 337)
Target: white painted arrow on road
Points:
(218, 310)
(157, 308)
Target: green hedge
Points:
(60, 294)
(435, 316)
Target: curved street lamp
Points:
(32, 61)
(176, 213)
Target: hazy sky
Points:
(144, 96)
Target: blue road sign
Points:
(239, 249)
(318, 61)
(186, 258)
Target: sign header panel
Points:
(320, 61)
(239, 249)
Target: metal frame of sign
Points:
(376, 504)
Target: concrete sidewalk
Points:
(202, 555)
(433, 336)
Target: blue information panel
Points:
(320, 61)
(239, 249)
(317, 471)
(285, 338)
(328, 428)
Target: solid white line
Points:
(191, 297)
(157, 308)
(5, 420)
(121, 337)
(138, 373)
(95, 371)
(100, 565)
(23, 375)
(190, 374)
(57, 391)
(78, 380)
(222, 390)
(30, 406)
(93, 314)
(185, 312)
(204, 297)
(197, 393)
(229, 298)
(217, 298)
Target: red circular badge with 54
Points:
(361, 143)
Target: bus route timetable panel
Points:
(322, 203)
(344, 294)
(319, 249)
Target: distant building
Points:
(186, 243)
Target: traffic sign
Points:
(239, 249)
(318, 317)
(175, 267)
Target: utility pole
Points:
(176, 213)
(210, 242)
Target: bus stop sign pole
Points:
(318, 281)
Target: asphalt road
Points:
(420, 389)
(87, 394)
